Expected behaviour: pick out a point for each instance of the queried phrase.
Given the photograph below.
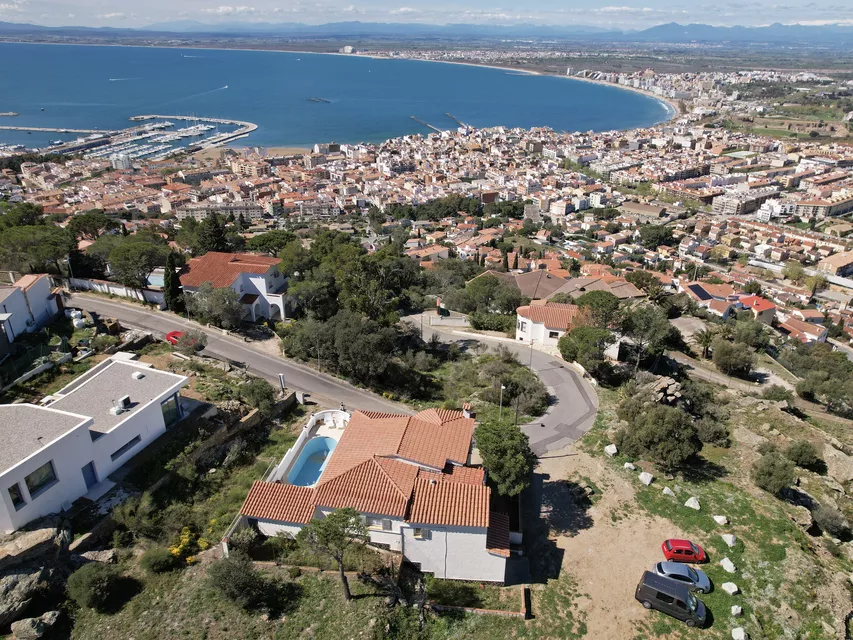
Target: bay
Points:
(370, 100)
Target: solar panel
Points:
(700, 292)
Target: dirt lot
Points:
(604, 545)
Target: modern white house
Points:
(255, 278)
(410, 478)
(545, 322)
(27, 305)
(65, 447)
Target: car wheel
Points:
(690, 623)
(647, 604)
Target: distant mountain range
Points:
(794, 34)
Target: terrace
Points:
(304, 463)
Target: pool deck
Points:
(328, 424)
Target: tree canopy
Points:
(506, 455)
(332, 536)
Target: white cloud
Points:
(227, 10)
(12, 6)
(111, 16)
(352, 9)
(403, 10)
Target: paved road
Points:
(575, 403)
(297, 376)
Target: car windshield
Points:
(692, 602)
(692, 573)
(668, 545)
(695, 548)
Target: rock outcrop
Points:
(35, 628)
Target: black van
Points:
(672, 598)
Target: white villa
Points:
(64, 448)
(545, 322)
(408, 476)
(255, 278)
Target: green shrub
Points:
(122, 538)
(492, 321)
(777, 393)
(243, 539)
(158, 560)
(103, 342)
(711, 431)
(767, 447)
(773, 473)
(802, 453)
(294, 572)
(94, 585)
(236, 578)
(831, 521)
(258, 394)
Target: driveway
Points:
(297, 376)
(574, 401)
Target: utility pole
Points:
(501, 406)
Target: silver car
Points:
(693, 579)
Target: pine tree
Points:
(515, 261)
(242, 221)
(172, 292)
(211, 235)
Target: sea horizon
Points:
(370, 98)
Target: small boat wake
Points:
(123, 79)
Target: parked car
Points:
(672, 598)
(694, 579)
(173, 336)
(683, 551)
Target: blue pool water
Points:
(155, 280)
(311, 461)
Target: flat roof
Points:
(98, 394)
(27, 428)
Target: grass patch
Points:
(458, 593)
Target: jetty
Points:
(55, 130)
(456, 120)
(10, 113)
(323, 100)
(426, 124)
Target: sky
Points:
(623, 14)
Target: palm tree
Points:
(704, 339)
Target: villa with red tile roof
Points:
(255, 278)
(546, 322)
(762, 309)
(408, 475)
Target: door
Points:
(89, 475)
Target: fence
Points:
(523, 612)
(115, 289)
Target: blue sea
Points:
(95, 87)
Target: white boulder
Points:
(611, 450)
(668, 492)
(730, 588)
(728, 565)
(693, 503)
(729, 539)
(646, 478)
(629, 466)
(720, 519)
(738, 633)
(737, 610)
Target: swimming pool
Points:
(309, 466)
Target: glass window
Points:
(665, 598)
(40, 479)
(118, 453)
(553, 334)
(171, 410)
(16, 495)
(378, 523)
(421, 534)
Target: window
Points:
(16, 495)
(665, 598)
(118, 453)
(553, 334)
(421, 533)
(171, 410)
(522, 326)
(383, 524)
(41, 479)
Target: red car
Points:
(683, 551)
(173, 336)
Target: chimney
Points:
(466, 410)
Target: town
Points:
(444, 380)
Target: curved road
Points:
(574, 401)
(571, 414)
(297, 376)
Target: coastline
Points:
(671, 106)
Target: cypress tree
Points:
(172, 292)
(211, 235)
(515, 261)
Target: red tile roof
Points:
(497, 537)
(281, 502)
(222, 269)
(758, 303)
(552, 314)
(435, 501)
(378, 485)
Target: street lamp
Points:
(501, 406)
